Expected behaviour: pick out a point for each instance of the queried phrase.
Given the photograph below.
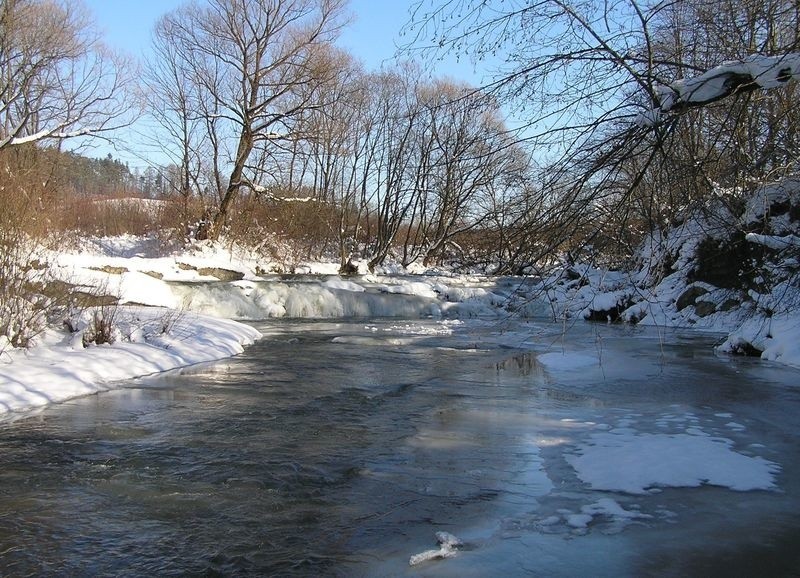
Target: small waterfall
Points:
(333, 297)
(265, 299)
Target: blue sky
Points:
(372, 36)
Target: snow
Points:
(777, 337)
(59, 368)
(760, 320)
(631, 462)
(774, 241)
(607, 509)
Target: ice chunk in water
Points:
(448, 545)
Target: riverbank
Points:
(153, 326)
(171, 310)
(59, 367)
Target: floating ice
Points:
(556, 360)
(448, 547)
(617, 516)
(634, 463)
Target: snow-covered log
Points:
(752, 73)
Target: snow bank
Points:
(777, 337)
(711, 272)
(60, 368)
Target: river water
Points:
(341, 448)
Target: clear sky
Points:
(372, 37)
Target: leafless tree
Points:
(175, 105)
(247, 60)
(398, 115)
(610, 112)
(57, 79)
(470, 153)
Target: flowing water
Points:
(341, 448)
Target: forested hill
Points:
(75, 174)
(83, 175)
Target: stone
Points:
(221, 274)
(729, 304)
(689, 297)
(704, 308)
(110, 269)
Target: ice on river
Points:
(626, 460)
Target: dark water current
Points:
(340, 448)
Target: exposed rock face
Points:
(732, 263)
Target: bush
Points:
(101, 328)
(23, 197)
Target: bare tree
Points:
(398, 115)
(247, 59)
(174, 105)
(57, 79)
(623, 96)
(470, 153)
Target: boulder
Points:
(221, 274)
(704, 308)
(689, 297)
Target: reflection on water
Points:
(341, 448)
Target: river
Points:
(341, 447)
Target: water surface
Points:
(340, 448)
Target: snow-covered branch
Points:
(52, 134)
(774, 241)
(267, 192)
(753, 73)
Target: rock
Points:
(611, 315)
(84, 299)
(689, 297)
(704, 308)
(729, 304)
(746, 349)
(221, 274)
(110, 269)
(154, 274)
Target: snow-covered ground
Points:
(756, 306)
